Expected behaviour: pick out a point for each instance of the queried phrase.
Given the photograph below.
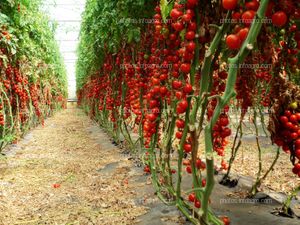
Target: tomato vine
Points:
(33, 77)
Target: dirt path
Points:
(68, 172)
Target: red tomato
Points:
(293, 119)
(192, 197)
(279, 19)
(294, 135)
(178, 135)
(190, 35)
(229, 4)
(243, 33)
(248, 16)
(252, 5)
(197, 204)
(178, 26)
(187, 148)
(203, 182)
(187, 17)
(224, 122)
(191, 46)
(178, 95)
(233, 41)
(175, 14)
(188, 169)
(180, 123)
(56, 185)
(188, 88)
(151, 117)
(226, 220)
(283, 119)
(182, 106)
(176, 84)
(185, 67)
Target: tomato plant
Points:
(33, 77)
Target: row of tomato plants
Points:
(32, 75)
(176, 84)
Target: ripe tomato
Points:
(279, 19)
(293, 119)
(175, 14)
(294, 135)
(226, 220)
(233, 41)
(185, 67)
(182, 106)
(163, 90)
(190, 35)
(187, 148)
(192, 26)
(147, 169)
(187, 88)
(224, 122)
(176, 84)
(187, 17)
(56, 185)
(229, 4)
(243, 33)
(191, 46)
(172, 37)
(197, 204)
(192, 197)
(178, 95)
(248, 16)
(203, 182)
(180, 123)
(198, 164)
(188, 169)
(296, 168)
(178, 135)
(252, 5)
(151, 117)
(178, 26)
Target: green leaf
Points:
(3, 18)
(166, 7)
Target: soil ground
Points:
(69, 172)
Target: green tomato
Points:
(294, 105)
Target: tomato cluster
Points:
(154, 86)
(289, 135)
(2, 122)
